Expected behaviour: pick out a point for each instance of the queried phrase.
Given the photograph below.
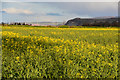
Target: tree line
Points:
(15, 23)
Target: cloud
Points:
(2, 11)
(56, 11)
(53, 14)
(88, 8)
(16, 11)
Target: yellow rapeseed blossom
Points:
(82, 50)
(17, 58)
(78, 74)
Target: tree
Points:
(3, 24)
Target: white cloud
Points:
(16, 11)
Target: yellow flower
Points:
(100, 55)
(70, 62)
(57, 50)
(84, 69)
(63, 59)
(82, 76)
(109, 64)
(17, 58)
(78, 74)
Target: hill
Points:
(100, 21)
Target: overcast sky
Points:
(60, 0)
(14, 10)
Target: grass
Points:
(31, 52)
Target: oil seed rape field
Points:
(29, 52)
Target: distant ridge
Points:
(93, 21)
(105, 17)
(46, 23)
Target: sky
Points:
(38, 11)
(59, 0)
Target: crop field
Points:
(31, 52)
